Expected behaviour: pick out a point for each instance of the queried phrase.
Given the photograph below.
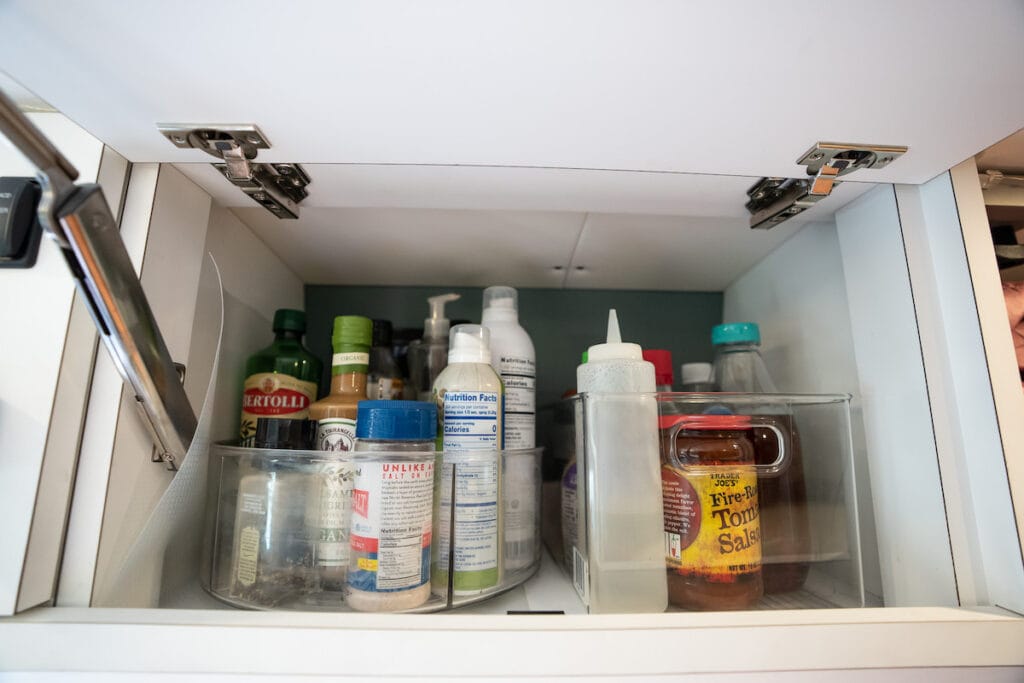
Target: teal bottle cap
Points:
(735, 333)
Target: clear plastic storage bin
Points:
(276, 540)
(783, 518)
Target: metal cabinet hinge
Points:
(774, 200)
(158, 454)
(276, 187)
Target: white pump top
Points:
(436, 326)
(614, 348)
(501, 303)
(469, 344)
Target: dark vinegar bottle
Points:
(785, 523)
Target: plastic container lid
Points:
(287, 434)
(736, 333)
(352, 329)
(662, 361)
(289, 319)
(501, 300)
(695, 373)
(469, 344)
(396, 420)
(381, 333)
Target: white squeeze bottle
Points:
(624, 518)
(469, 396)
(513, 358)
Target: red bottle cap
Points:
(662, 360)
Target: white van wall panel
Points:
(36, 305)
(910, 516)
(698, 87)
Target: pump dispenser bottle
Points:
(625, 557)
(469, 396)
(429, 356)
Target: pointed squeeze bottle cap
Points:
(614, 348)
(436, 326)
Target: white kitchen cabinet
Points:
(614, 142)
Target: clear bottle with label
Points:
(330, 498)
(514, 359)
(280, 380)
(469, 395)
(272, 554)
(785, 522)
(392, 506)
(384, 379)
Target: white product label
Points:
(384, 388)
(581, 576)
(392, 506)
(331, 511)
(351, 358)
(520, 378)
(471, 420)
(519, 482)
(335, 434)
(471, 423)
(248, 555)
(253, 503)
(570, 515)
(476, 524)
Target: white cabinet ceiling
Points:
(526, 227)
(724, 88)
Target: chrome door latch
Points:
(276, 187)
(774, 200)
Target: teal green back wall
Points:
(561, 322)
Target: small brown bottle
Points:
(330, 502)
(712, 526)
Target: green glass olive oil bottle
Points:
(281, 380)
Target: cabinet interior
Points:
(383, 262)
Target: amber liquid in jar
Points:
(785, 522)
(712, 516)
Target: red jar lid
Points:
(708, 422)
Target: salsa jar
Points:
(713, 540)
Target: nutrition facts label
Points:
(520, 378)
(471, 420)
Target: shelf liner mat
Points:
(175, 524)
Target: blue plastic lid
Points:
(396, 420)
(736, 333)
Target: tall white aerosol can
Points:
(514, 359)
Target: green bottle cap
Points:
(289, 319)
(352, 329)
